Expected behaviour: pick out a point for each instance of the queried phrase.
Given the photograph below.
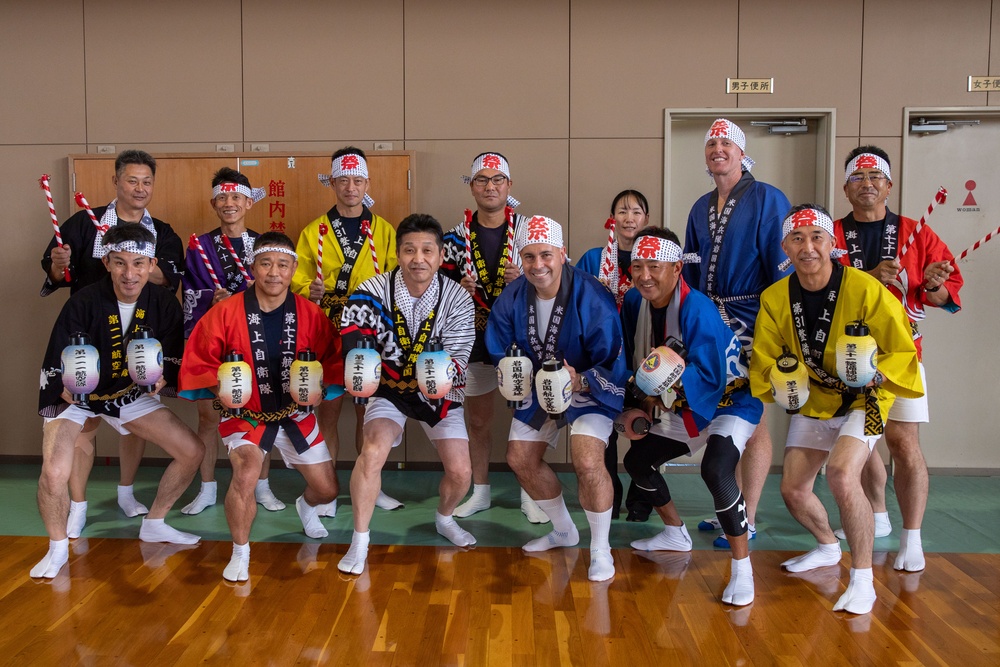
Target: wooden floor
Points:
(125, 603)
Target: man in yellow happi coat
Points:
(806, 314)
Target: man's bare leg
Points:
(454, 455)
(847, 460)
(596, 497)
(208, 429)
(59, 440)
(526, 459)
(480, 413)
(241, 508)
(797, 479)
(130, 451)
(911, 484)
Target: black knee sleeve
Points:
(718, 469)
(643, 462)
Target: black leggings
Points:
(718, 469)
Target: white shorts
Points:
(823, 433)
(671, 425)
(593, 424)
(318, 453)
(480, 378)
(140, 407)
(451, 427)
(912, 409)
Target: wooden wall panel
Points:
(920, 53)
(41, 73)
(629, 61)
(163, 72)
(820, 68)
(480, 69)
(316, 69)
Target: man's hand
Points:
(935, 276)
(469, 284)
(511, 272)
(886, 271)
(316, 290)
(60, 261)
(220, 294)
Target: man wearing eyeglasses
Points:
(923, 276)
(479, 254)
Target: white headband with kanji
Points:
(492, 161)
(256, 194)
(867, 161)
(661, 250)
(539, 229)
(273, 248)
(805, 218)
(727, 129)
(138, 247)
(351, 164)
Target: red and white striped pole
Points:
(367, 231)
(608, 267)
(939, 198)
(81, 201)
(195, 244)
(229, 246)
(44, 182)
(319, 250)
(975, 246)
(468, 244)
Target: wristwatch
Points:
(584, 383)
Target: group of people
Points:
(726, 300)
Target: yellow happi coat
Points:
(860, 297)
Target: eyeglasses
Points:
(481, 181)
(874, 179)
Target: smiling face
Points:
(630, 218)
(656, 280)
(722, 157)
(809, 248)
(232, 207)
(419, 257)
(869, 194)
(129, 273)
(134, 191)
(542, 266)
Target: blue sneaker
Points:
(709, 524)
(722, 543)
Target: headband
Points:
(255, 194)
(727, 129)
(539, 229)
(492, 161)
(867, 161)
(273, 248)
(351, 164)
(662, 250)
(138, 247)
(805, 218)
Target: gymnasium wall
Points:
(572, 92)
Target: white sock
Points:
(156, 530)
(310, 520)
(882, 525)
(265, 496)
(239, 565)
(128, 503)
(557, 512)
(447, 527)
(860, 595)
(600, 527)
(911, 551)
(386, 502)
(671, 538)
(207, 496)
(477, 502)
(602, 565)
(739, 590)
(354, 560)
(530, 509)
(55, 558)
(77, 519)
(823, 555)
(328, 510)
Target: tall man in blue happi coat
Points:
(557, 311)
(736, 230)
